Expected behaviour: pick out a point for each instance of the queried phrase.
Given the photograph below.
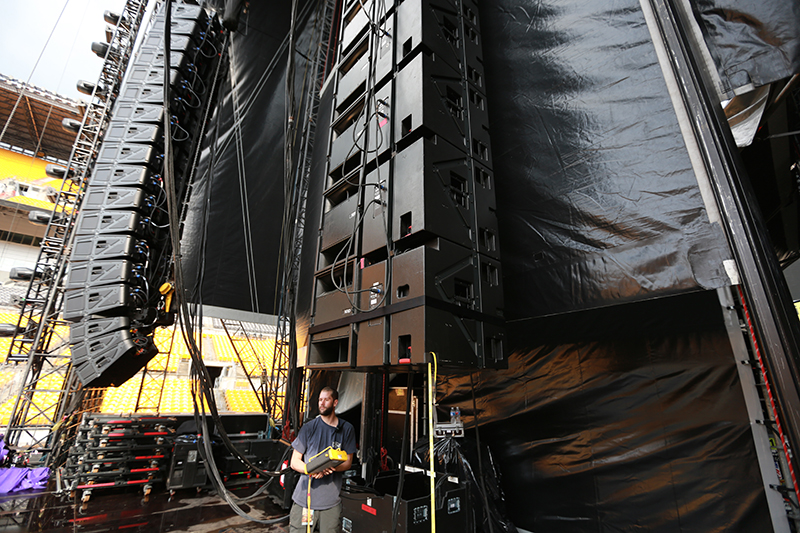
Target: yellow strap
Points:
(431, 407)
(308, 502)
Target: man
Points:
(316, 435)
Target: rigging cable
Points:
(290, 223)
(203, 382)
(185, 318)
(265, 76)
(203, 378)
(403, 451)
(480, 452)
(369, 111)
(241, 167)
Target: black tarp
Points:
(751, 41)
(610, 417)
(627, 419)
(597, 200)
(237, 201)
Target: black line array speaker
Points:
(121, 255)
(408, 259)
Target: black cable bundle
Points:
(455, 456)
(202, 381)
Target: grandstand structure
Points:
(240, 348)
(240, 358)
(32, 138)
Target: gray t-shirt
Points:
(315, 436)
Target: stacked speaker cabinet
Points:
(408, 260)
(121, 255)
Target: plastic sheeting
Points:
(628, 419)
(19, 479)
(751, 41)
(597, 200)
(233, 230)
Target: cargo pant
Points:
(325, 521)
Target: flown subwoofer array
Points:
(117, 285)
(408, 259)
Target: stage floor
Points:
(187, 510)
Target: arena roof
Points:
(39, 111)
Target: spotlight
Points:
(39, 218)
(58, 172)
(71, 125)
(85, 87)
(23, 274)
(111, 17)
(100, 49)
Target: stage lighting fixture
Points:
(71, 125)
(23, 274)
(39, 218)
(111, 17)
(85, 87)
(100, 49)
(58, 172)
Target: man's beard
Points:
(325, 411)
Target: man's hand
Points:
(322, 474)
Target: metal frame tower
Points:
(294, 219)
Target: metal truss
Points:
(245, 351)
(151, 388)
(41, 341)
(285, 356)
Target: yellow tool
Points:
(327, 458)
(167, 289)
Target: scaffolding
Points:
(41, 342)
(294, 221)
(151, 387)
(246, 352)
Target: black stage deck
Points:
(129, 511)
